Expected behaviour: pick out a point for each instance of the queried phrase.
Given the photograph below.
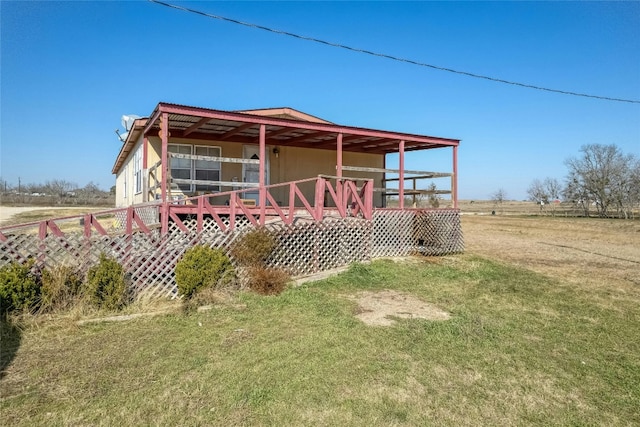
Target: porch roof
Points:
(244, 127)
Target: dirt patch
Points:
(379, 308)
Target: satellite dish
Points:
(128, 121)
(122, 136)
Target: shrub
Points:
(251, 251)
(61, 286)
(20, 287)
(200, 267)
(106, 286)
(253, 248)
(267, 281)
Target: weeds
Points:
(251, 252)
(61, 288)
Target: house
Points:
(188, 175)
(180, 152)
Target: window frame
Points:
(196, 168)
(125, 180)
(193, 167)
(137, 171)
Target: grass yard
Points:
(525, 344)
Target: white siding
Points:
(126, 180)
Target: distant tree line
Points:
(55, 192)
(601, 180)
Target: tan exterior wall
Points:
(295, 163)
(291, 164)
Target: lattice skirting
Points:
(430, 232)
(304, 247)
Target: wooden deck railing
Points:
(343, 193)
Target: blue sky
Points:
(70, 70)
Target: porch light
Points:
(276, 151)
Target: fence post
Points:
(164, 230)
(292, 201)
(42, 235)
(87, 225)
(199, 214)
(233, 201)
(319, 198)
(368, 199)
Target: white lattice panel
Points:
(303, 247)
(431, 232)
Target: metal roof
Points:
(244, 127)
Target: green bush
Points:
(20, 287)
(253, 249)
(106, 286)
(200, 267)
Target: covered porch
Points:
(269, 160)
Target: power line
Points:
(394, 58)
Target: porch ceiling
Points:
(216, 125)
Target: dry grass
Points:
(544, 329)
(40, 214)
(514, 207)
(589, 252)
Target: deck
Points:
(339, 226)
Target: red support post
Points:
(401, 177)
(145, 171)
(339, 167)
(454, 178)
(164, 137)
(262, 199)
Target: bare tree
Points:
(60, 187)
(553, 189)
(626, 191)
(434, 199)
(498, 197)
(538, 194)
(601, 175)
(4, 185)
(88, 192)
(545, 193)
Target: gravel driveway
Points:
(7, 212)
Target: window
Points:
(137, 170)
(180, 168)
(204, 170)
(207, 170)
(125, 173)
